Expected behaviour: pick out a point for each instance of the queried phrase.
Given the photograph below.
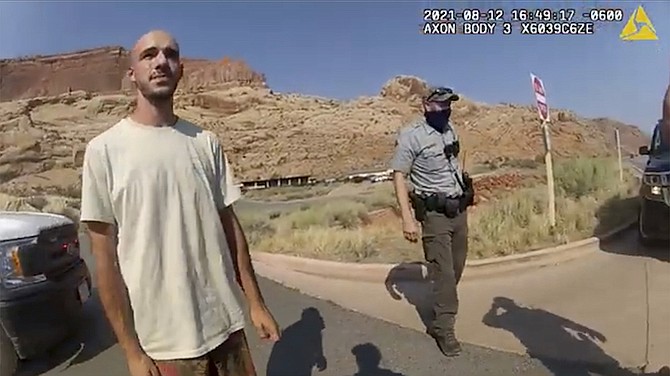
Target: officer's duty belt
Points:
(439, 202)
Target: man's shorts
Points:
(231, 358)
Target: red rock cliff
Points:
(102, 70)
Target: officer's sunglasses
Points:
(439, 92)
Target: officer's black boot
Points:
(446, 341)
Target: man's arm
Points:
(112, 289)
(402, 161)
(402, 195)
(239, 251)
(97, 213)
(226, 193)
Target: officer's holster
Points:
(419, 206)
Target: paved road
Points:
(616, 294)
(404, 351)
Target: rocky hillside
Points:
(268, 134)
(103, 70)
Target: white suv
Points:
(43, 284)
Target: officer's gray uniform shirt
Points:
(419, 153)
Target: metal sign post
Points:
(543, 111)
(618, 150)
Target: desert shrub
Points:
(256, 226)
(339, 213)
(583, 176)
(380, 197)
(325, 243)
(518, 222)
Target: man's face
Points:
(155, 66)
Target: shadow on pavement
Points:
(402, 282)
(368, 358)
(93, 336)
(300, 348)
(564, 347)
(625, 243)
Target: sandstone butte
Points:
(50, 106)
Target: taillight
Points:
(71, 247)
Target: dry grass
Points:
(289, 193)
(589, 200)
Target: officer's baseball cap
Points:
(440, 94)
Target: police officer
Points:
(427, 152)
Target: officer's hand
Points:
(410, 230)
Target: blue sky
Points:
(349, 49)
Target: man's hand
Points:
(410, 230)
(239, 250)
(141, 365)
(265, 324)
(409, 227)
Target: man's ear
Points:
(131, 74)
(181, 71)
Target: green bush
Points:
(580, 177)
(256, 226)
(340, 213)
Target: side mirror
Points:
(644, 150)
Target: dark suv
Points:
(43, 284)
(654, 216)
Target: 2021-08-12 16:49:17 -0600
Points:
(522, 21)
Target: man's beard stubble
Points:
(162, 94)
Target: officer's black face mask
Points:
(438, 119)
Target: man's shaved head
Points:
(154, 38)
(155, 65)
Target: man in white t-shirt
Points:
(173, 287)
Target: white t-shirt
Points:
(162, 187)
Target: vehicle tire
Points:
(8, 358)
(644, 241)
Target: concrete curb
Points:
(416, 271)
